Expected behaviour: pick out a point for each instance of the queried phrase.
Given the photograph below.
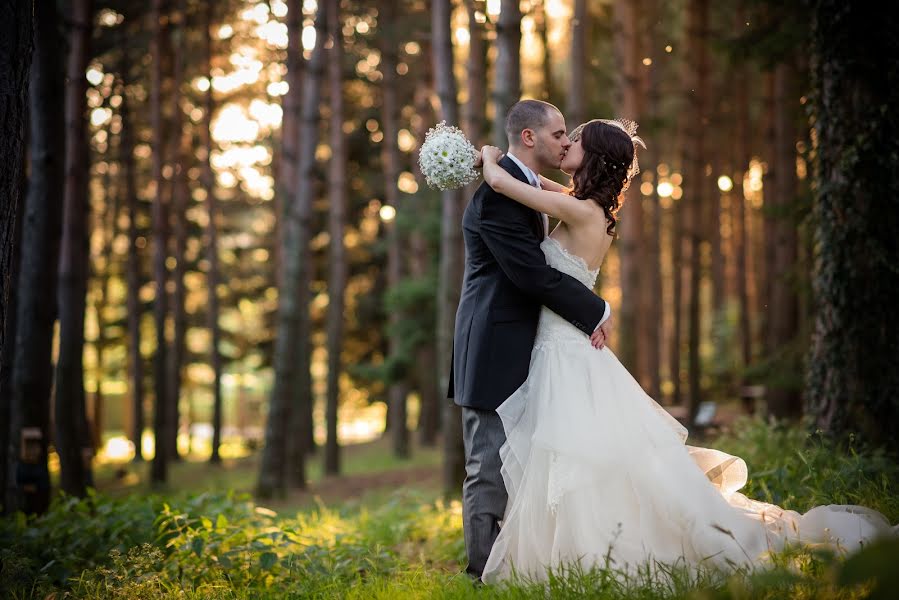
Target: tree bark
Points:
(783, 398)
(852, 380)
(212, 254)
(133, 271)
(542, 22)
(15, 61)
(450, 270)
(577, 97)
(32, 370)
(106, 221)
(180, 144)
(292, 350)
(507, 70)
(695, 187)
(70, 419)
(742, 154)
(161, 423)
(15, 492)
(474, 111)
(420, 261)
(398, 389)
(337, 276)
(300, 442)
(631, 246)
(287, 161)
(651, 304)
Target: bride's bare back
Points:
(587, 239)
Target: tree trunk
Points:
(292, 350)
(450, 273)
(420, 260)
(695, 187)
(741, 165)
(11, 477)
(287, 161)
(212, 255)
(577, 97)
(307, 174)
(337, 276)
(159, 470)
(15, 60)
(32, 370)
(507, 70)
(783, 398)
(180, 144)
(133, 270)
(107, 222)
(399, 385)
(852, 380)
(542, 22)
(70, 419)
(631, 246)
(678, 242)
(651, 305)
(474, 111)
(299, 442)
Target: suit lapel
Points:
(515, 171)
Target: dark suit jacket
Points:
(506, 282)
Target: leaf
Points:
(221, 521)
(206, 523)
(197, 545)
(267, 560)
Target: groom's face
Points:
(551, 141)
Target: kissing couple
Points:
(567, 459)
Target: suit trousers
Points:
(484, 494)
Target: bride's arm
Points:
(561, 206)
(549, 184)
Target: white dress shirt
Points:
(534, 180)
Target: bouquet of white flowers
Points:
(447, 158)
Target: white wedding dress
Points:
(595, 468)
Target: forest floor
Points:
(383, 530)
(369, 470)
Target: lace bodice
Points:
(554, 328)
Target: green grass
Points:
(407, 543)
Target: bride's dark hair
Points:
(608, 153)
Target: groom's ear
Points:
(528, 137)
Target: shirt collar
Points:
(532, 177)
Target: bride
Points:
(594, 468)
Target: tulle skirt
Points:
(596, 470)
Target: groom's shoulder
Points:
(492, 200)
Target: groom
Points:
(506, 282)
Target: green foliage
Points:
(409, 545)
(798, 470)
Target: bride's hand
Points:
(490, 154)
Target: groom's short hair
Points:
(527, 114)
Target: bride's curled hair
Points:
(603, 174)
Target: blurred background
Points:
(224, 197)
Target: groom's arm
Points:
(506, 229)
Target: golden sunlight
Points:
(308, 37)
(665, 189)
(387, 213)
(407, 183)
(94, 76)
